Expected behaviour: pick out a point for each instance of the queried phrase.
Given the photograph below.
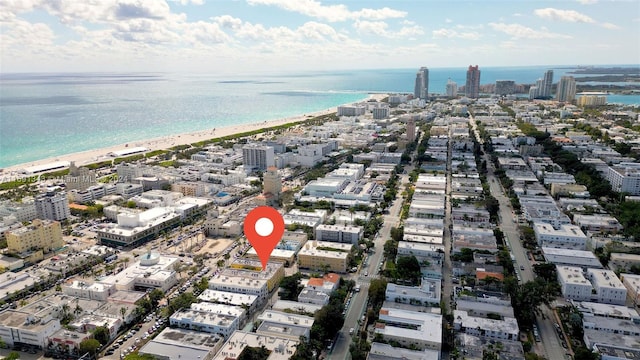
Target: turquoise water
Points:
(49, 115)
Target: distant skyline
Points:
(275, 36)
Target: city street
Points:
(508, 225)
(359, 301)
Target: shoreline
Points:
(165, 142)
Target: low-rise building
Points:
(203, 321)
(281, 348)
(252, 269)
(151, 271)
(410, 328)
(95, 291)
(427, 294)
(597, 223)
(632, 283)
(609, 289)
(180, 344)
(566, 237)
(573, 284)
(135, 229)
(285, 325)
(228, 298)
(504, 329)
(582, 258)
(23, 328)
(381, 351)
(321, 255)
(623, 262)
(339, 234)
(240, 285)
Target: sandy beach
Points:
(165, 142)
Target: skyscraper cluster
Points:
(421, 90)
(542, 88)
(472, 87)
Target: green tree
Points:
(137, 356)
(408, 269)
(183, 300)
(291, 287)
(546, 271)
(14, 355)
(582, 353)
(155, 296)
(377, 289)
(254, 353)
(90, 346)
(101, 334)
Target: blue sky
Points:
(256, 36)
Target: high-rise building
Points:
(566, 91)
(452, 88)
(53, 206)
(472, 86)
(258, 157)
(421, 89)
(547, 82)
(411, 130)
(505, 87)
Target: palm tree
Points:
(123, 312)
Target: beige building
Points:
(318, 255)
(272, 185)
(45, 235)
(189, 188)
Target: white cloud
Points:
(563, 15)
(449, 34)
(448, 21)
(610, 26)
(332, 13)
(380, 28)
(587, 2)
(518, 31)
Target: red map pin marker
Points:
(264, 227)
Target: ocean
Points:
(49, 115)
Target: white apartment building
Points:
(609, 289)
(286, 325)
(573, 283)
(258, 157)
(625, 178)
(567, 236)
(427, 294)
(52, 206)
(240, 285)
(221, 324)
(411, 328)
(339, 234)
(505, 329)
(422, 251)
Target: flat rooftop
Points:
(281, 348)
